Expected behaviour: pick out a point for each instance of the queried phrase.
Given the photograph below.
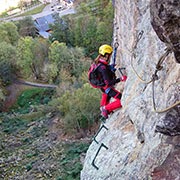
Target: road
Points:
(49, 10)
(46, 11)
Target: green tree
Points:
(100, 34)
(31, 56)
(68, 59)
(51, 72)
(40, 53)
(2, 97)
(89, 38)
(7, 59)
(89, 27)
(25, 56)
(60, 30)
(78, 35)
(108, 14)
(7, 52)
(9, 33)
(26, 27)
(79, 109)
(58, 53)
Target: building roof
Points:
(42, 24)
(44, 34)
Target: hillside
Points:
(141, 140)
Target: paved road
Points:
(46, 11)
(61, 13)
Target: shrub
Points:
(31, 98)
(79, 109)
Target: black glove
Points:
(118, 80)
(114, 81)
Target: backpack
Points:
(95, 78)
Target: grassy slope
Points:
(30, 148)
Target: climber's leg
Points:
(116, 103)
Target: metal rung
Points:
(93, 162)
(103, 126)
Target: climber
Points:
(107, 73)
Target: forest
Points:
(62, 60)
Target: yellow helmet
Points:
(105, 49)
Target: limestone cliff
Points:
(141, 140)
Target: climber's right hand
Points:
(123, 78)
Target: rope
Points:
(154, 104)
(154, 76)
(139, 77)
(133, 56)
(158, 67)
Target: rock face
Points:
(165, 19)
(141, 140)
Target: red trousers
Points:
(105, 100)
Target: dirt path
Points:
(40, 85)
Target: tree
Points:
(92, 23)
(7, 53)
(2, 96)
(40, 52)
(101, 31)
(9, 33)
(25, 56)
(26, 27)
(60, 30)
(84, 110)
(89, 31)
(22, 4)
(78, 35)
(51, 72)
(7, 59)
(66, 58)
(31, 56)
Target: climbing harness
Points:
(154, 76)
(101, 146)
